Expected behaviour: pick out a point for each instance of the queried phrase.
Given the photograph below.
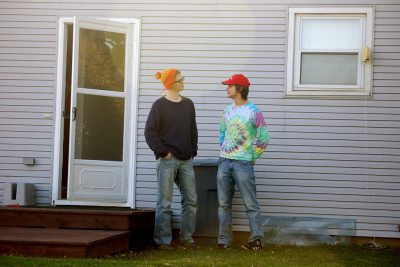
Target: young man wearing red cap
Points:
(171, 133)
(243, 139)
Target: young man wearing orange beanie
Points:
(171, 133)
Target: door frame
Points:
(132, 116)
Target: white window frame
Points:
(58, 129)
(364, 71)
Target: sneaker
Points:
(223, 246)
(253, 245)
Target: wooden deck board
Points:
(61, 242)
(77, 218)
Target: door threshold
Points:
(65, 202)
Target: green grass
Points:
(210, 256)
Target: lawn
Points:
(272, 255)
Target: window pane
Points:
(101, 60)
(331, 69)
(99, 128)
(331, 34)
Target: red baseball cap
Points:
(239, 79)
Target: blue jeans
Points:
(181, 172)
(241, 173)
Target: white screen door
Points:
(99, 107)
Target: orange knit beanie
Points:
(167, 77)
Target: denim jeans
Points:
(241, 173)
(181, 172)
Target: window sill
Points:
(342, 94)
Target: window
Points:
(329, 52)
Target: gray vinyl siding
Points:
(327, 157)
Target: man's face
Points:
(178, 84)
(231, 91)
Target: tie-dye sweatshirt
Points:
(243, 132)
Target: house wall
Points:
(327, 157)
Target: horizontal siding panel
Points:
(329, 184)
(21, 115)
(293, 197)
(305, 2)
(388, 69)
(318, 163)
(262, 193)
(27, 64)
(23, 102)
(387, 14)
(290, 103)
(387, 35)
(211, 54)
(28, 24)
(20, 83)
(108, 6)
(144, 108)
(27, 96)
(203, 75)
(27, 128)
(25, 141)
(371, 159)
(18, 160)
(220, 35)
(25, 153)
(22, 167)
(26, 108)
(317, 212)
(32, 31)
(19, 174)
(390, 8)
(325, 204)
(216, 47)
(215, 41)
(387, 21)
(31, 38)
(27, 76)
(265, 70)
(26, 57)
(217, 27)
(136, 13)
(30, 147)
(26, 69)
(386, 28)
(96, 2)
(267, 20)
(388, 55)
(387, 42)
(211, 62)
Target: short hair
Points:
(243, 90)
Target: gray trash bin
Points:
(207, 198)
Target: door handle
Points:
(74, 113)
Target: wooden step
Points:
(48, 242)
(67, 218)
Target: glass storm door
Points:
(100, 100)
